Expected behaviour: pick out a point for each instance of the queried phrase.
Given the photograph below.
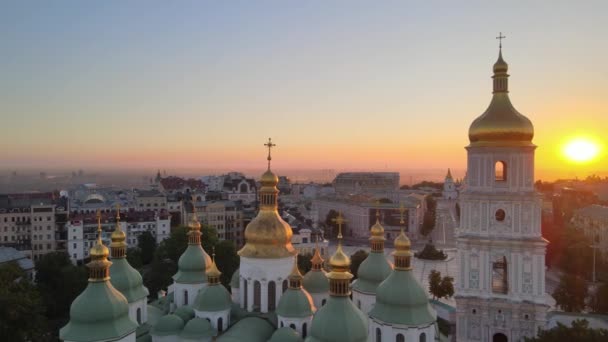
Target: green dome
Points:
(316, 282)
(285, 334)
(338, 320)
(213, 298)
(198, 328)
(192, 265)
(235, 281)
(402, 300)
(127, 280)
(250, 329)
(295, 303)
(168, 325)
(99, 313)
(154, 314)
(372, 271)
(185, 312)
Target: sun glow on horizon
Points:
(581, 150)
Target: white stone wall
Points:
(319, 299)
(214, 317)
(264, 271)
(142, 305)
(180, 291)
(389, 332)
(301, 324)
(364, 301)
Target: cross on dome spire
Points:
(98, 226)
(269, 145)
(401, 212)
(339, 220)
(500, 38)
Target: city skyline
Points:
(387, 87)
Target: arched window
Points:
(220, 324)
(292, 326)
(323, 302)
(500, 273)
(282, 324)
(500, 171)
(257, 293)
(499, 337)
(284, 285)
(185, 297)
(244, 188)
(138, 314)
(272, 293)
(422, 337)
(400, 338)
(378, 335)
(304, 330)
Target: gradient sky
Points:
(337, 84)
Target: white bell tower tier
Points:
(500, 295)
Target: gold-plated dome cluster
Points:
(194, 226)
(99, 266)
(340, 276)
(377, 235)
(295, 277)
(213, 273)
(268, 235)
(118, 246)
(402, 253)
(501, 124)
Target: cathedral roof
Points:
(285, 334)
(127, 280)
(501, 124)
(198, 328)
(338, 320)
(235, 281)
(372, 271)
(295, 303)
(168, 325)
(250, 329)
(315, 281)
(213, 298)
(184, 312)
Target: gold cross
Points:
(500, 38)
(117, 212)
(401, 212)
(270, 145)
(339, 221)
(99, 225)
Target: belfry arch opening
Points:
(500, 171)
(500, 274)
(499, 337)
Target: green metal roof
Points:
(235, 282)
(285, 334)
(372, 271)
(168, 325)
(154, 314)
(316, 282)
(213, 298)
(295, 303)
(198, 328)
(99, 313)
(127, 280)
(250, 329)
(401, 299)
(185, 312)
(192, 265)
(337, 321)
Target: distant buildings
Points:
(593, 220)
(349, 183)
(9, 254)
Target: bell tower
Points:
(500, 295)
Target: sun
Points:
(581, 150)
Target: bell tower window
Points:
(500, 171)
(500, 283)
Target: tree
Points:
(428, 221)
(440, 287)
(160, 275)
(304, 262)
(21, 309)
(173, 246)
(134, 257)
(430, 253)
(146, 243)
(435, 283)
(356, 260)
(579, 332)
(208, 238)
(599, 299)
(571, 292)
(226, 260)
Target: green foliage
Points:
(21, 309)
(208, 238)
(579, 332)
(571, 292)
(146, 243)
(444, 326)
(159, 275)
(430, 253)
(134, 258)
(428, 184)
(599, 300)
(227, 260)
(330, 232)
(173, 246)
(356, 260)
(59, 283)
(304, 263)
(428, 221)
(440, 287)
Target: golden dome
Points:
(316, 258)
(295, 271)
(501, 124)
(402, 242)
(377, 231)
(213, 271)
(269, 179)
(339, 261)
(99, 251)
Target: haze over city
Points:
(341, 86)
